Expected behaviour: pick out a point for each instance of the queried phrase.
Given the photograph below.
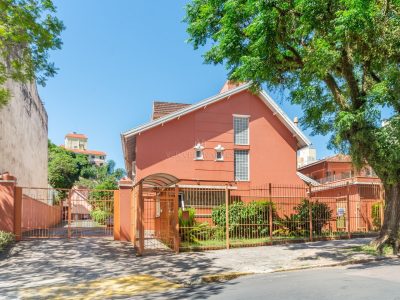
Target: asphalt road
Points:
(371, 281)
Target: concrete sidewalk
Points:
(43, 265)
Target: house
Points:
(354, 192)
(78, 143)
(234, 136)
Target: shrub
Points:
(376, 215)
(6, 238)
(100, 216)
(192, 231)
(321, 214)
(245, 220)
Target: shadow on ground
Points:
(44, 263)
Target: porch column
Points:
(125, 195)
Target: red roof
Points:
(161, 109)
(88, 152)
(76, 136)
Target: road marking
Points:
(100, 288)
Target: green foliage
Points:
(376, 215)
(289, 226)
(320, 214)
(64, 167)
(192, 231)
(28, 30)
(6, 238)
(338, 59)
(101, 216)
(242, 214)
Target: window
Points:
(198, 152)
(241, 130)
(219, 155)
(241, 162)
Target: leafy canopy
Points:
(28, 30)
(339, 58)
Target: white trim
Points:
(301, 138)
(213, 187)
(241, 116)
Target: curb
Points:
(222, 277)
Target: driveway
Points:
(98, 267)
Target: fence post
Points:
(270, 213)
(227, 216)
(141, 219)
(348, 212)
(18, 213)
(310, 217)
(176, 220)
(69, 213)
(116, 219)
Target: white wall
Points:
(23, 136)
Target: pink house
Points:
(234, 136)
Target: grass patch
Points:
(371, 250)
(6, 239)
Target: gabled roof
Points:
(271, 104)
(161, 109)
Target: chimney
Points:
(230, 85)
(296, 121)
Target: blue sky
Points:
(116, 60)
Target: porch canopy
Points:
(159, 180)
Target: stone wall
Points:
(24, 136)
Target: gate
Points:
(60, 213)
(156, 225)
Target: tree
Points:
(340, 60)
(28, 30)
(65, 167)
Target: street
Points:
(379, 280)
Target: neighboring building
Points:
(306, 156)
(335, 179)
(78, 143)
(337, 168)
(233, 136)
(24, 136)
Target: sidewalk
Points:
(47, 265)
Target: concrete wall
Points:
(23, 136)
(169, 148)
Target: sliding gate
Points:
(58, 213)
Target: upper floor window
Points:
(219, 153)
(198, 152)
(241, 129)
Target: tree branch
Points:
(347, 71)
(335, 90)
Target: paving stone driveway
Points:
(60, 262)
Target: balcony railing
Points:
(345, 175)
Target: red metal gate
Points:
(58, 213)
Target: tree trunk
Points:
(389, 234)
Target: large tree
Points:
(28, 30)
(340, 59)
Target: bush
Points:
(376, 215)
(241, 215)
(321, 214)
(100, 216)
(6, 238)
(192, 231)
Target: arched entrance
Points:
(156, 223)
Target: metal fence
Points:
(58, 213)
(224, 217)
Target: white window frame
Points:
(198, 149)
(248, 165)
(235, 116)
(219, 150)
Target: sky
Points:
(117, 58)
